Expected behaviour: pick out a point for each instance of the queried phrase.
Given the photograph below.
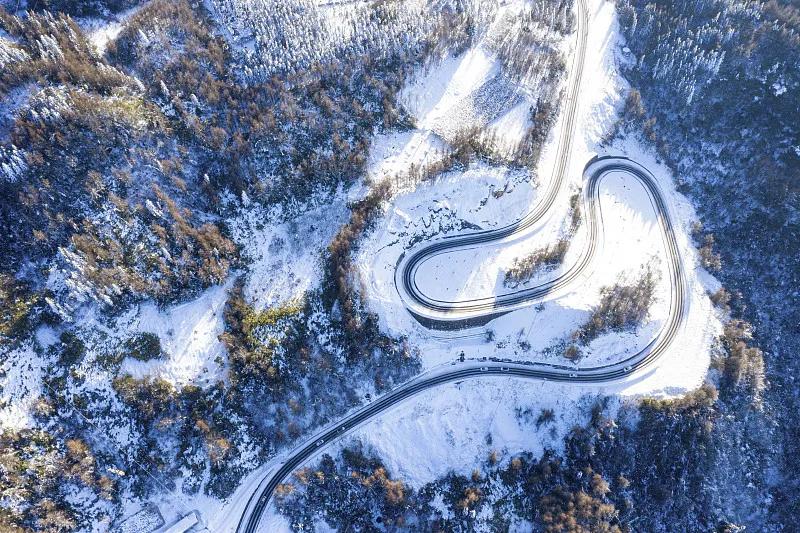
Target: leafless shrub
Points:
(743, 364)
(547, 257)
(722, 299)
(575, 214)
(340, 284)
(621, 307)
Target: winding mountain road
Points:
(440, 314)
(459, 314)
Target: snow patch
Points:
(189, 335)
(285, 255)
(21, 373)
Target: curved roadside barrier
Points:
(454, 315)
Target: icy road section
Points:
(485, 196)
(630, 237)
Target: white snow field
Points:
(284, 253)
(486, 196)
(443, 429)
(20, 386)
(193, 354)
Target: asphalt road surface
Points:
(455, 315)
(595, 170)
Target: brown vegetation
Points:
(59, 53)
(364, 488)
(527, 267)
(743, 365)
(16, 305)
(38, 472)
(565, 511)
(254, 354)
(621, 307)
(340, 277)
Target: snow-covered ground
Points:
(454, 427)
(456, 419)
(102, 31)
(284, 262)
(446, 429)
(284, 256)
(485, 196)
(189, 335)
(20, 385)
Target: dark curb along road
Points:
(480, 311)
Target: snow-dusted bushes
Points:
(44, 480)
(543, 118)
(622, 306)
(144, 346)
(99, 190)
(742, 366)
(17, 304)
(263, 347)
(51, 49)
(353, 491)
(340, 285)
(294, 368)
(180, 431)
(526, 267)
(278, 36)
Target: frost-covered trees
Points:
(285, 37)
(83, 8)
(526, 267)
(685, 49)
(44, 480)
(743, 364)
(719, 82)
(622, 306)
(354, 491)
(51, 48)
(526, 42)
(95, 154)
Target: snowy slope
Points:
(447, 429)
(456, 419)
(486, 196)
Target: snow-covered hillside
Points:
(207, 213)
(487, 195)
(463, 423)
